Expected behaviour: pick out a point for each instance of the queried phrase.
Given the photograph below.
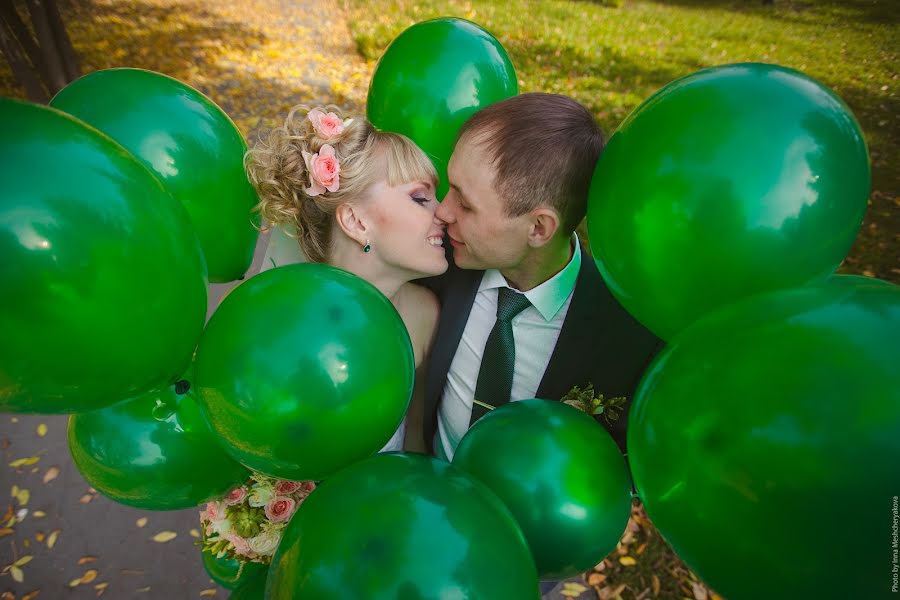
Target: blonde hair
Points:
(276, 168)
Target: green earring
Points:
(367, 247)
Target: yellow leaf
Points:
(38, 514)
(23, 497)
(627, 561)
(89, 576)
(208, 592)
(23, 561)
(194, 533)
(75, 582)
(164, 536)
(51, 474)
(6, 531)
(51, 539)
(596, 578)
(655, 585)
(39, 536)
(86, 559)
(24, 462)
(42, 430)
(572, 590)
(17, 574)
(141, 522)
(31, 595)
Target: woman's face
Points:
(405, 232)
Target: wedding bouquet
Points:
(246, 525)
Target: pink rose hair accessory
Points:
(327, 125)
(324, 171)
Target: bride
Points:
(361, 200)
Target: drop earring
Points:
(368, 247)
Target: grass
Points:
(612, 58)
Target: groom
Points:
(525, 313)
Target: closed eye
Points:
(421, 200)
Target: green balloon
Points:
(765, 439)
(102, 280)
(433, 77)
(562, 476)
(189, 143)
(154, 452)
(729, 182)
(303, 370)
(402, 526)
(253, 589)
(228, 572)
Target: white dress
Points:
(282, 250)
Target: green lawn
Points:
(612, 58)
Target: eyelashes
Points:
(420, 200)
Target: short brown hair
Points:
(544, 148)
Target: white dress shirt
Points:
(535, 330)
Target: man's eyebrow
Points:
(459, 191)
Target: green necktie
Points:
(495, 376)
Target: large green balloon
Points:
(765, 440)
(102, 280)
(154, 452)
(402, 526)
(303, 370)
(253, 589)
(228, 572)
(562, 476)
(433, 77)
(191, 145)
(729, 182)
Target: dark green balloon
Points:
(728, 182)
(189, 143)
(402, 526)
(562, 477)
(764, 442)
(253, 589)
(154, 452)
(433, 77)
(228, 573)
(303, 370)
(102, 279)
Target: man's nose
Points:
(444, 211)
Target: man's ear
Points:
(545, 223)
(352, 222)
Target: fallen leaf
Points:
(628, 561)
(164, 536)
(85, 499)
(38, 514)
(24, 462)
(31, 595)
(86, 559)
(51, 474)
(26, 543)
(194, 533)
(51, 539)
(21, 514)
(75, 582)
(39, 536)
(572, 589)
(141, 522)
(208, 592)
(22, 495)
(143, 589)
(7, 531)
(101, 587)
(23, 561)
(89, 576)
(17, 574)
(596, 579)
(42, 430)
(7, 595)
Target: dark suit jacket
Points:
(599, 343)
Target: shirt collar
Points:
(549, 296)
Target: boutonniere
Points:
(585, 401)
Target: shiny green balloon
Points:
(434, 76)
(402, 526)
(154, 452)
(252, 589)
(228, 572)
(189, 143)
(764, 442)
(728, 182)
(303, 370)
(102, 279)
(562, 476)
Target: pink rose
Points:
(240, 544)
(214, 511)
(324, 170)
(327, 126)
(286, 488)
(307, 487)
(235, 496)
(280, 509)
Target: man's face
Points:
(482, 235)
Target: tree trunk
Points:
(63, 43)
(49, 52)
(21, 67)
